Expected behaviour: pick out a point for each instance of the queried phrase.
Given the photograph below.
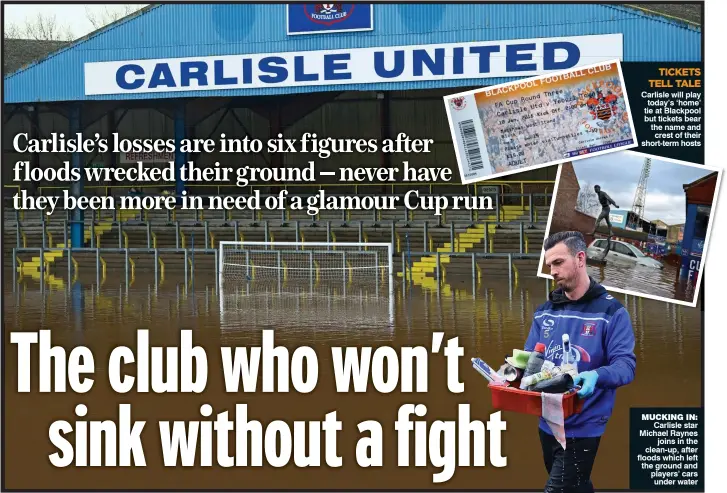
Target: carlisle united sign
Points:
(315, 18)
(474, 60)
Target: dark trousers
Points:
(569, 469)
(604, 215)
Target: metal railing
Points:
(72, 264)
(439, 273)
(152, 232)
(100, 262)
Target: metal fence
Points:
(181, 244)
(190, 264)
(402, 232)
(22, 227)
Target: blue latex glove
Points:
(587, 380)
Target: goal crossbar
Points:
(308, 248)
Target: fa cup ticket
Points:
(540, 121)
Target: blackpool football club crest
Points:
(603, 104)
(604, 112)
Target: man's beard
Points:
(570, 286)
(567, 285)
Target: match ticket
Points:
(541, 121)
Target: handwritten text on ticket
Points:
(541, 121)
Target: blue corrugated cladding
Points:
(184, 30)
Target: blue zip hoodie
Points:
(601, 339)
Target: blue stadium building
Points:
(364, 71)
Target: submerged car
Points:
(621, 252)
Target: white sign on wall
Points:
(618, 218)
(480, 59)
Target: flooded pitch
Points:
(647, 280)
(490, 321)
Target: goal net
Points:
(305, 283)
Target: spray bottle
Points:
(567, 366)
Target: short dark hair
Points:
(574, 240)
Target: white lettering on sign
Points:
(513, 58)
(616, 218)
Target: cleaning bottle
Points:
(535, 362)
(539, 377)
(566, 349)
(568, 365)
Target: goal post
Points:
(306, 284)
(348, 262)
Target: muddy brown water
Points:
(489, 320)
(640, 279)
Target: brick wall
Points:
(565, 202)
(565, 215)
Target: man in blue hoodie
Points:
(602, 345)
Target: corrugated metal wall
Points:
(184, 30)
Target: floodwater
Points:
(488, 321)
(664, 282)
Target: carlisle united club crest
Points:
(699, 247)
(458, 103)
(328, 13)
(589, 330)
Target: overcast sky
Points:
(71, 15)
(618, 174)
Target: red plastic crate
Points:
(508, 398)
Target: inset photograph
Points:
(542, 121)
(646, 221)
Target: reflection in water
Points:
(325, 305)
(664, 282)
(490, 321)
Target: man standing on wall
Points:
(602, 346)
(605, 201)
